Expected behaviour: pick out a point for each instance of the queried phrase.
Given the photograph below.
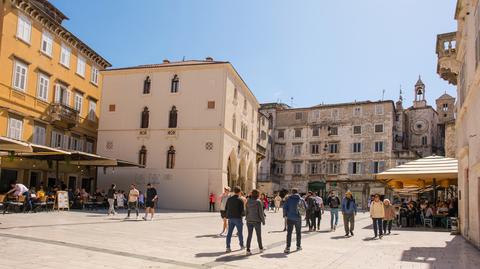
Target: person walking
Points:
(255, 217)
(211, 199)
(235, 209)
(389, 216)
(141, 200)
(150, 201)
(223, 202)
(349, 210)
(133, 200)
(320, 210)
(111, 200)
(377, 213)
(292, 211)
(334, 203)
(312, 206)
(278, 201)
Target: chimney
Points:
(209, 59)
(166, 61)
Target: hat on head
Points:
(227, 188)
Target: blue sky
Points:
(314, 51)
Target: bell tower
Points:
(445, 108)
(420, 100)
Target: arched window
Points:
(234, 124)
(175, 81)
(171, 158)
(172, 119)
(145, 118)
(146, 85)
(270, 121)
(142, 156)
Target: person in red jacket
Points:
(211, 199)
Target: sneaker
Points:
(242, 247)
(351, 233)
(335, 227)
(347, 234)
(145, 219)
(381, 236)
(299, 248)
(228, 250)
(248, 252)
(262, 249)
(375, 237)
(286, 251)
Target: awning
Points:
(13, 145)
(421, 173)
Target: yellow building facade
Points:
(50, 90)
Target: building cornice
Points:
(49, 23)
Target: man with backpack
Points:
(312, 207)
(293, 210)
(334, 203)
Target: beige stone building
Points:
(193, 124)
(458, 60)
(342, 146)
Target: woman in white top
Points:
(377, 213)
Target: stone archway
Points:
(232, 175)
(250, 175)
(242, 177)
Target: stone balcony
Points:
(447, 66)
(61, 114)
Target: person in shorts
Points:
(223, 202)
(150, 199)
(132, 200)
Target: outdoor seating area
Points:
(425, 192)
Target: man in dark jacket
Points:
(294, 218)
(349, 210)
(235, 211)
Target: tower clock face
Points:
(419, 126)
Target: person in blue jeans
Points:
(349, 210)
(294, 218)
(235, 210)
(334, 203)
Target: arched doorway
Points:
(249, 183)
(232, 170)
(242, 169)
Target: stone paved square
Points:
(190, 240)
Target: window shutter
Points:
(65, 142)
(361, 168)
(67, 97)
(381, 166)
(350, 168)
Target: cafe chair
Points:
(40, 205)
(426, 221)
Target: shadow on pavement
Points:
(340, 237)
(275, 232)
(209, 254)
(209, 236)
(457, 253)
(274, 255)
(370, 238)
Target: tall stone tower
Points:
(446, 124)
(420, 100)
(445, 108)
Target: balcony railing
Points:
(447, 66)
(63, 113)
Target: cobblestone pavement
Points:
(190, 240)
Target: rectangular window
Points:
(81, 66)
(378, 167)
(280, 151)
(211, 105)
(297, 149)
(333, 167)
(89, 146)
(94, 75)
(78, 102)
(75, 143)
(47, 43)
(24, 28)
(20, 76)
(42, 87)
(279, 168)
(379, 109)
(57, 139)
(297, 168)
(315, 148)
(92, 107)
(424, 140)
(314, 168)
(357, 147)
(65, 52)
(378, 128)
(357, 111)
(281, 134)
(62, 95)
(357, 129)
(315, 131)
(111, 108)
(39, 134)
(335, 114)
(298, 133)
(15, 128)
(379, 146)
(333, 147)
(298, 115)
(355, 168)
(333, 130)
